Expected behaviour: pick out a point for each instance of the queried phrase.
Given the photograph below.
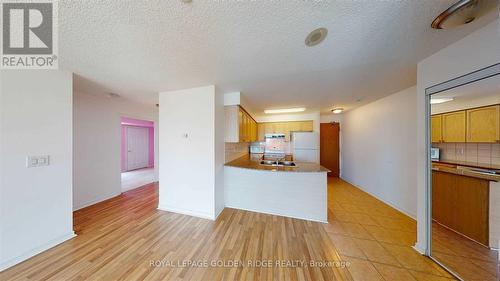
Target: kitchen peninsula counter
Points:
(247, 162)
(296, 192)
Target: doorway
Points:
(137, 153)
(330, 147)
(463, 198)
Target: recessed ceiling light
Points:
(316, 36)
(337, 110)
(440, 100)
(284, 110)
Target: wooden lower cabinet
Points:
(462, 204)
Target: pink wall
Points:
(125, 121)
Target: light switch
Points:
(37, 161)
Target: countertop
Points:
(246, 162)
(469, 164)
(467, 173)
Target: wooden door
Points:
(454, 126)
(137, 147)
(436, 133)
(482, 124)
(330, 147)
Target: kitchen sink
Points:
(278, 163)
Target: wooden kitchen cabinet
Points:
(453, 126)
(462, 204)
(436, 128)
(239, 125)
(285, 128)
(483, 124)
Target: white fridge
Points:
(305, 147)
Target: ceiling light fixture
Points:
(316, 36)
(463, 12)
(337, 110)
(440, 100)
(284, 110)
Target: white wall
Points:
(328, 118)
(36, 203)
(461, 104)
(379, 149)
(191, 151)
(315, 117)
(97, 141)
(476, 51)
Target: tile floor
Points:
(376, 239)
(137, 178)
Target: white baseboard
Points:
(36, 251)
(188, 212)
(417, 247)
(96, 200)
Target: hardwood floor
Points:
(127, 238)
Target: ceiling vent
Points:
(463, 12)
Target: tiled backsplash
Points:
(481, 153)
(235, 150)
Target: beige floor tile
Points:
(355, 230)
(410, 259)
(391, 236)
(393, 273)
(362, 270)
(375, 252)
(364, 219)
(346, 246)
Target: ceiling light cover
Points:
(463, 12)
(440, 100)
(316, 36)
(337, 110)
(284, 110)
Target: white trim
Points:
(218, 214)
(276, 214)
(385, 202)
(188, 212)
(36, 251)
(96, 200)
(417, 247)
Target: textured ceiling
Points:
(137, 48)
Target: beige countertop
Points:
(246, 162)
(467, 173)
(468, 164)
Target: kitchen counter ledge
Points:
(467, 173)
(246, 162)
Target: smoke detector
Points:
(316, 36)
(463, 12)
